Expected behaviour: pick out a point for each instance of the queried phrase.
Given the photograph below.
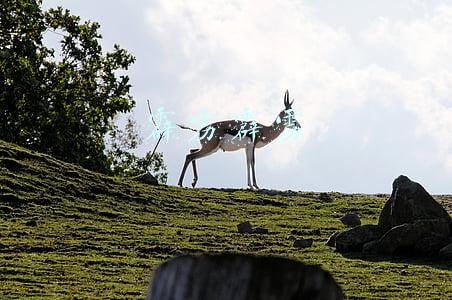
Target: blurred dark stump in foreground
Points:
(240, 277)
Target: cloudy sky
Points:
(372, 83)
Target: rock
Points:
(32, 223)
(260, 230)
(371, 247)
(411, 222)
(240, 277)
(430, 245)
(405, 236)
(303, 243)
(244, 227)
(147, 178)
(332, 239)
(351, 220)
(446, 252)
(325, 197)
(354, 238)
(408, 203)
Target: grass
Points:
(66, 232)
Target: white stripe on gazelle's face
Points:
(289, 119)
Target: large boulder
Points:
(408, 203)
(446, 252)
(354, 239)
(240, 277)
(405, 237)
(411, 222)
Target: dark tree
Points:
(60, 103)
(122, 160)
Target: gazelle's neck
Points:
(273, 131)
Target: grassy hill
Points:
(66, 232)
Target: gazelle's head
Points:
(287, 116)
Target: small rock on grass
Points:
(351, 220)
(325, 197)
(303, 243)
(245, 227)
(32, 223)
(260, 230)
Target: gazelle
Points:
(232, 135)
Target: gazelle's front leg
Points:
(249, 153)
(252, 167)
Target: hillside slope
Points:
(68, 232)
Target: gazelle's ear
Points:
(290, 104)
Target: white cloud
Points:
(235, 54)
(424, 45)
(246, 53)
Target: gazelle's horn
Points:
(286, 98)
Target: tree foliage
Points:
(60, 103)
(122, 160)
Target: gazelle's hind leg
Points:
(195, 173)
(206, 150)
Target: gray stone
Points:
(351, 220)
(303, 243)
(260, 230)
(354, 238)
(325, 197)
(244, 227)
(240, 277)
(430, 246)
(371, 247)
(446, 252)
(408, 203)
(32, 223)
(411, 222)
(406, 235)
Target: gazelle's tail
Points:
(185, 127)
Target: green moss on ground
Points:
(68, 232)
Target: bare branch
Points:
(155, 124)
(152, 115)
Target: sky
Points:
(371, 80)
